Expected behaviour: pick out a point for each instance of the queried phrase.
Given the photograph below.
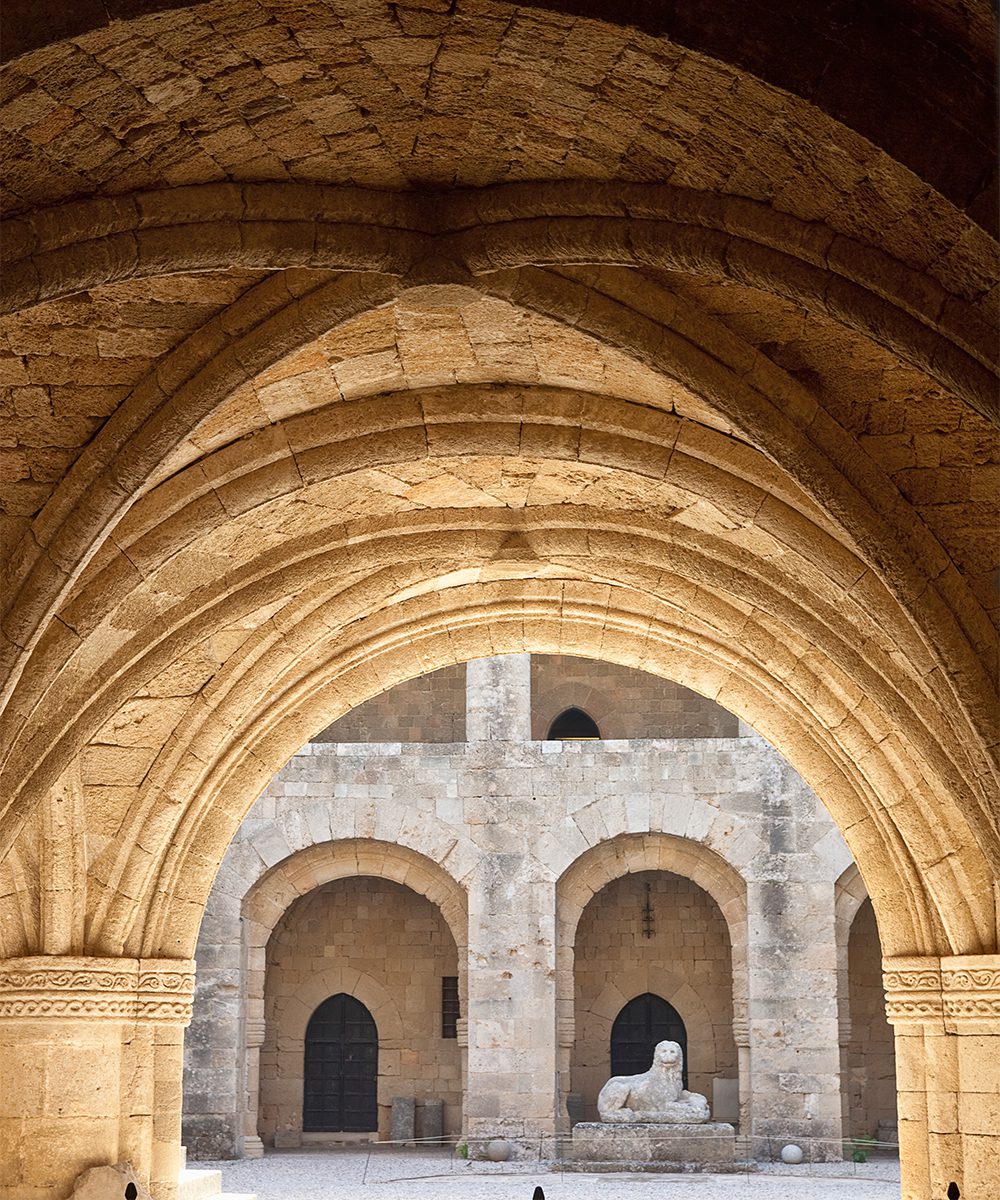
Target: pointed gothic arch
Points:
(573, 723)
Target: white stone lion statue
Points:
(655, 1096)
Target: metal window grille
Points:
(450, 1011)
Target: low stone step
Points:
(199, 1185)
(206, 1185)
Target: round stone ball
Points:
(792, 1154)
(498, 1150)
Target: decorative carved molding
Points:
(971, 989)
(566, 1030)
(116, 989)
(462, 1031)
(950, 993)
(912, 990)
(976, 1006)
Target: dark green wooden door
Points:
(341, 1068)
(642, 1023)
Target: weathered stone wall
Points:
(429, 708)
(625, 703)
(871, 1082)
(388, 947)
(509, 820)
(687, 961)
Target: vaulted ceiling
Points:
(344, 340)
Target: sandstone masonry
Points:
(523, 866)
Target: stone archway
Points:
(625, 855)
(867, 1052)
(265, 903)
(768, 479)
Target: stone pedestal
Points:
(640, 1144)
(430, 1121)
(402, 1126)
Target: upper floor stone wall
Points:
(624, 702)
(430, 708)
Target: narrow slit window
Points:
(450, 1011)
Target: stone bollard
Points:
(402, 1124)
(430, 1121)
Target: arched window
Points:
(573, 723)
(642, 1023)
(341, 1069)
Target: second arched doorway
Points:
(340, 1071)
(641, 1024)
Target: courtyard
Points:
(363, 1173)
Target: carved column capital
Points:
(958, 994)
(79, 987)
(912, 991)
(970, 987)
(741, 1021)
(254, 1031)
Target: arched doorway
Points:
(871, 1056)
(641, 1024)
(341, 1068)
(607, 959)
(573, 723)
(284, 982)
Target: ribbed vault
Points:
(634, 550)
(814, 54)
(343, 347)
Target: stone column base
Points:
(946, 1016)
(90, 1058)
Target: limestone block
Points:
(119, 1182)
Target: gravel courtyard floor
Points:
(356, 1173)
